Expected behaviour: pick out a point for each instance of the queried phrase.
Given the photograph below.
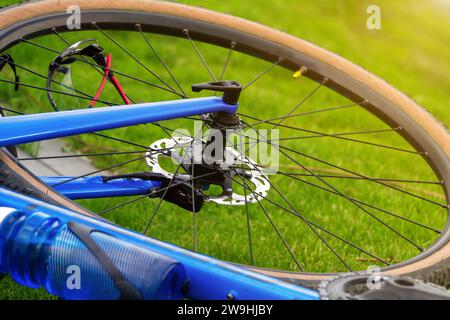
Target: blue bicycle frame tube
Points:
(32, 234)
(96, 187)
(43, 126)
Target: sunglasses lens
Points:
(64, 94)
(7, 88)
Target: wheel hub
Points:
(242, 171)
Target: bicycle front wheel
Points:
(363, 171)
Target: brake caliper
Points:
(173, 189)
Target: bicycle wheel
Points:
(361, 180)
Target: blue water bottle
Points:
(77, 261)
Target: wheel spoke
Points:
(169, 184)
(304, 220)
(298, 105)
(111, 167)
(337, 136)
(45, 89)
(324, 135)
(320, 227)
(124, 204)
(186, 33)
(258, 76)
(354, 202)
(359, 178)
(12, 111)
(147, 41)
(247, 213)
(350, 177)
(303, 113)
(134, 57)
(194, 213)
(59, 83)
(227, 61)
(274, 227)
(365, 204)
(279, 147)
(104, 68)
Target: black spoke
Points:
(350, 177)
(194, 214)
(104, 68)
(298, 105)
(350, 105)
(123, 204)
(110, 167)
(169, 184)
(304, 113)
(59, 83)
(335, 136)
(147, 41)
(258, 76)
(364, 203)
(279, 147)
(186, 33)
(133, 57)
(274, 226)
(12, 111)
(120, 140)
(48, 90)
(332, 134)
(247, 213)
(320, 227)
(227, 61)
(359, 178)
(354, 203)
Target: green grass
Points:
(408, 51)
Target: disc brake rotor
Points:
(255, 179)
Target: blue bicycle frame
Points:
(38, 242)
(44, 126)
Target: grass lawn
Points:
(409, 51)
